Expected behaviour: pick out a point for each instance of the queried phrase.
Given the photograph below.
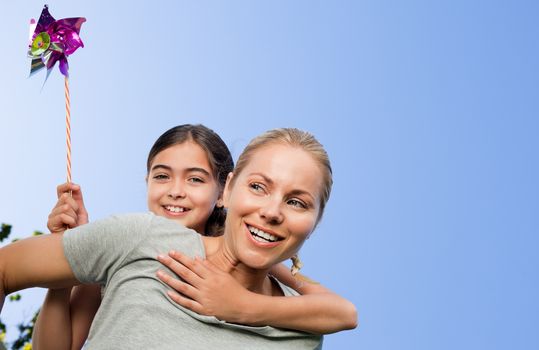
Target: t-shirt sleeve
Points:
(96, 250)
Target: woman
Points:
(275, 198)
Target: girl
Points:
(187, 168)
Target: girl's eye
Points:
(297, 203)
(160, 177)
(196, 180)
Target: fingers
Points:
(180, 269)
(76, 195)
(186, 302)
(57, 224)
(66, 188)
(71, 194)
(184, 288)
(195, 265)
(210, 267)
(66, 199)
(65, 217)
(63, 214)
(197, 285)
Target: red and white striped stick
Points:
(68, 130)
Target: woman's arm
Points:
(66, 314)
(34, 262)
(317, 311)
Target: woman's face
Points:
(181, 186)
(272, 205)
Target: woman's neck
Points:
(255, 280)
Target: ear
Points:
(226, 191)
(219, 203)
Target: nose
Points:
(176, 191)
(271, 211)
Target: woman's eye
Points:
(256, 186)
(297, 203)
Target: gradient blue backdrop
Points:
(429, 110)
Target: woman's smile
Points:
(263, 238)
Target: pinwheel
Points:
(53, 41)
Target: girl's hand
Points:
(69, 211)
(205, 289)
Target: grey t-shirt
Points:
(120, 252)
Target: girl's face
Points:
(181, 186)
(272, 205)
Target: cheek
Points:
(304, 227)
(153, 193)
(245, 202)
(206, 198)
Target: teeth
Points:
(260, 239)
(175, 209)
(262, 236)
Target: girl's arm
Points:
(318, 310)
(65, 318)
(84, 303)
(66, 315)
(50, 336)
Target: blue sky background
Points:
(428, 109)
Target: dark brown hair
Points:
(218, 155)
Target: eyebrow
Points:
(161, 166)
(192, 169)
(299, 192)
(267, 179)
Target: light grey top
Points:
(120, 252)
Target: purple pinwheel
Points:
(53, 40)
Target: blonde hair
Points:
(295, 138)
